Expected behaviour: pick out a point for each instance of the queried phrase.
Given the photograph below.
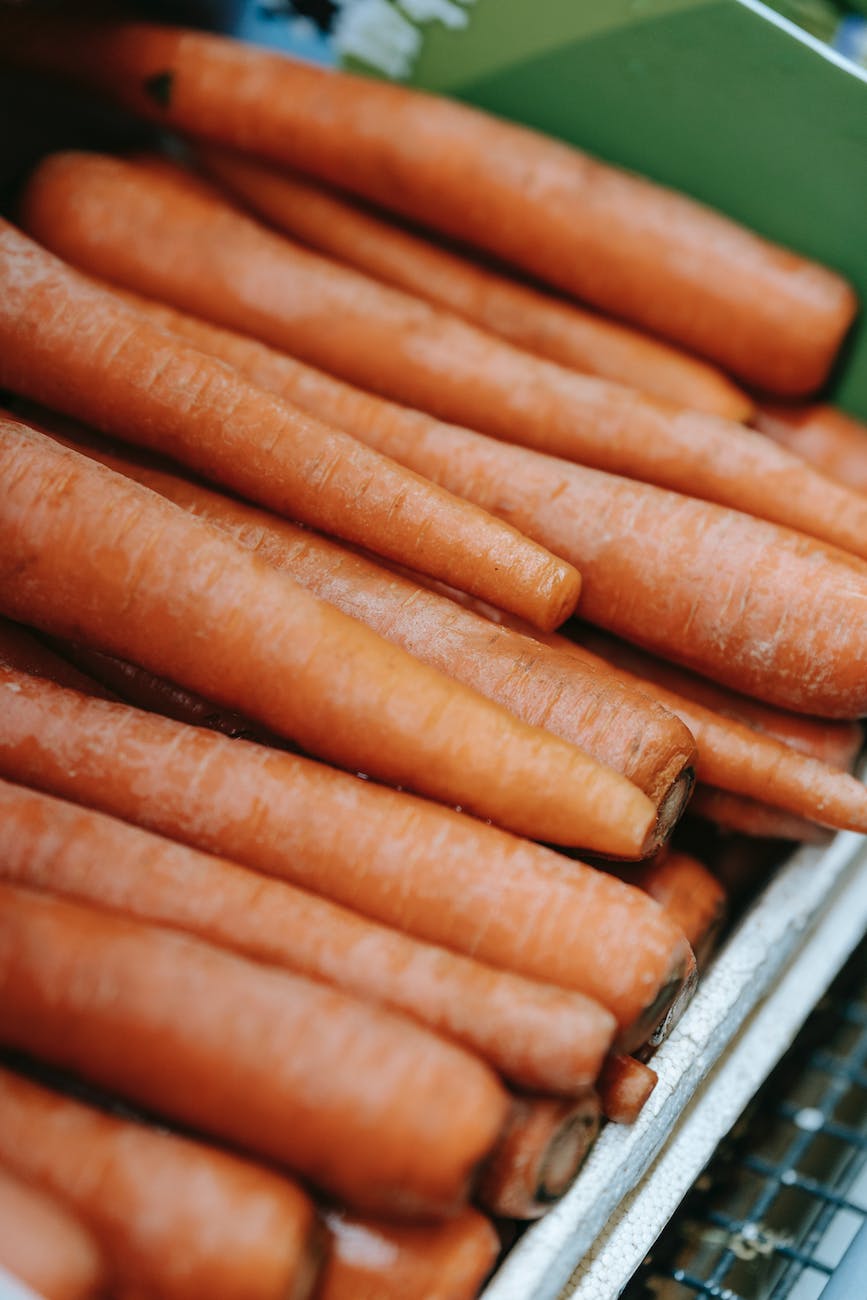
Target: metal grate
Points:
(785, 1195)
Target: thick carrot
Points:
(613, 723)
(358, 1100)
(797, 644)
(140, 578)
(633, 248)
(734, 812)
(78, 348)
(540, 1150)
(547, 326)
(174, 1218)
(44, 1246)
(20, 650)
(690, 894)
(152, 230)
(624, 1086)
(370, 1259)
(537, 1035)
(828, 438)
(412, 865)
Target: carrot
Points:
(547, 326)
(153, 390)
(374, 1260)
(409, 864)
(624, 1087)
(173, 1218)
(614, 724)
(152, 230)
(690, 894)
(43, 1246)
(536, 1035)
(227, 626)
(828, 438)
(637, 250)
(539, 1153)
(368, 1106)
(23, 652)
(734, 812)
(799, 647)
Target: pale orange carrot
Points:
(409, 864)
(43, 1246)
(174, 1218)
(152, 230)
(636, 249)
(78, 348)
(828, 438)
(202, 611)
(371, 1259)
(548, 326)
(540, 1150)
(536, 1035)
(735, 812)
(801, 646)
(624, 1087)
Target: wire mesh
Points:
(785, 1194)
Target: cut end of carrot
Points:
(567, 1152)
(659, 1018)
(672, 806)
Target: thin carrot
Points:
(541, 1149)
(366, 1105)
(734, 812)
(635, 249)
(173, 1217)
(593, 710)
(547, 326)
(690, 894)
(374, 1260)
(140, 578)
(537, 1035)
(44, 1246)
(798, 645)
(76, 347)
(828, 438)
(151, 230)
(412, 865)
(624, 1087)
(20, 650)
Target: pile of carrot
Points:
(351, 593)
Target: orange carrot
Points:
(412, 865)
(545, 687)
(799, 646)
(540, 1150)
(151, 230)
(547, 326)
(624, 1086)
(734, 812)
(690, 894)
(76, 347)
(374, 1260)
(633, 248)
(828, 438)
(535, 1034)
(22, 651)
(43, 1246)
(172, 1217)
(140, 578)
(368, 1106)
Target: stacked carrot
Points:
(277, 746)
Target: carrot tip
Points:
(566, 1153)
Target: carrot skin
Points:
(613, 723)
(749, 645)
(374, 1260)
(624, 1087)
(172, 1217)
(636, 249)
(76, 347)
(411, 865)
(21, 651)
(535, 1034)
(541, 1149)
(736, 813)
(196, 251)
(689, 893)
(370, 1107)
(833, 441)
(542, 324)
(284, 658)
(43, 1246)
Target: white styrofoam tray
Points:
(761, 987)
